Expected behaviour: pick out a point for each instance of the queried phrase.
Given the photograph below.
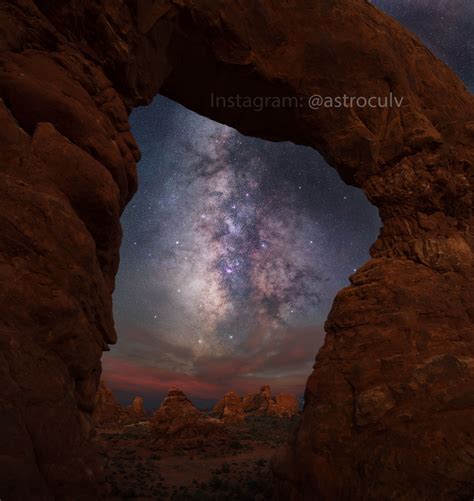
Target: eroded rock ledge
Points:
(390, 404)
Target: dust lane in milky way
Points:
(234, 247)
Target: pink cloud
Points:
(283, 362)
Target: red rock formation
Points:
(390, 404)
(257, 403)
(178, 424)
(136, 411)
(233, 409)
(283, 405)
(107, 410)
(230, 409)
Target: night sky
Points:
(235, 247)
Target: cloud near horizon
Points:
(233, 251)
(150, 365)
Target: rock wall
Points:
(390, 404)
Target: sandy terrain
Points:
(237, 469)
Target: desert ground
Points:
(237, 469)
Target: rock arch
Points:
(390, 403)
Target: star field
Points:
(234, 247)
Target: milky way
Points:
(233, 251)
(234, 247)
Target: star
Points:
(204, 170)
(242, 256)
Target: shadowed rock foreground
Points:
(389, 407)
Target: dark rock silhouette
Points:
(389, 406)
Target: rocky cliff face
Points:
(390, 403)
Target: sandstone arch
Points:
(390, 403)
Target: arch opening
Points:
(233, 251)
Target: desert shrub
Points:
(236, 444)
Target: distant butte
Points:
(108, 412)
(179, 424)
(233, 409)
